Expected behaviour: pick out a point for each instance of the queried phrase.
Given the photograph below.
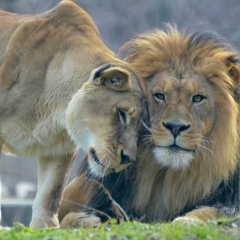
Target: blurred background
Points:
(117, 21)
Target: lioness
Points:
(188, 162)
(51, 101)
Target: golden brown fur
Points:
(62, 88)
(189, 157)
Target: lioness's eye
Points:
(159, 96)
(122, 116)
(198, 98)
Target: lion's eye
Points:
(122, 117)
(198, 98)
(159, 97)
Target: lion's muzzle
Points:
(176, 127)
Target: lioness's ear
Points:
(113, 77)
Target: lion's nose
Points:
(125, 158)
(176, 128)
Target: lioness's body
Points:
(189, 156)
(45, 59)
(48, 63)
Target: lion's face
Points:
(185, 110)
(182, 114)
(102, 119)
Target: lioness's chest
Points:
(45, 137)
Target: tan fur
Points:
(181, 67)
(62, 88)
(73, 206)
(72, 201)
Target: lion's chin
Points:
(176, 158)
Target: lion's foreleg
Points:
(201, 214)
(52, 175)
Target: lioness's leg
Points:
(52, 175)
(201, 214)
(1, 143)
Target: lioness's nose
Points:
(176, 128)
(125, 158)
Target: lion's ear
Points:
(233, 69)
(231, 61)
(113, 77)
(234, 73)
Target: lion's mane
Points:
(151, 192)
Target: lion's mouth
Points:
(95, 158)
(175, 148)
(173, 156)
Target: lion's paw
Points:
(81, 219)
(185, 220)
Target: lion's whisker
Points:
(206, 140)
(205, 148)
(201, 151)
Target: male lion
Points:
(188, 162)
(51, 101)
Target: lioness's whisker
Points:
(106, 167)
(145, 125)
(147, 144)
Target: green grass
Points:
(224, 229)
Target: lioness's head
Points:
(102, 118)
(190, 81)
